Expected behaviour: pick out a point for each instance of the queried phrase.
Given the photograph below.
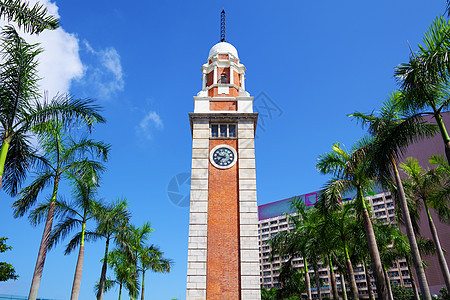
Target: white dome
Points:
(223, 48)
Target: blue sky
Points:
(312, 62)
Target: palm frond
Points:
(66, 109)
(32, 20)
(39, 214)
(18, 162)
(18, 79)
(28, 195)
(80, 148)
(62, 230)
(330, 163)
(89, 236)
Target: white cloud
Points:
(60, 64)
(150, 122)
(105, 73)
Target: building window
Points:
(232, 130)
(214, 130)
(223, 130)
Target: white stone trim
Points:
(248, 211)
(198, 216)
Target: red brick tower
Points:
(223, 257)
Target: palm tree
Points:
(424, 79)
(151, 258)
(360, 253)
(20, 109)
(297, 243)
(270, 294)
(135, 244)
(124, 271)
(421, 185)
(112, 219)
(392, 133)
(61, 154)
(346, 227)
(440, 197)
(292, 282)
(351, 172)
(73, 215)
(32, 20)
(327, 204)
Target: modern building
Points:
(272, 220)
(223, 258)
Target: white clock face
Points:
(223, 156)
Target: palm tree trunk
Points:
(413, 281)
(3, 153)
(143, 280)
(445, 136)
(351, 274)
(437, 244)
(120, 290)
(368, 282)
(79, 269)
(343, 286)
(411, 236)
(101, 285)
(308, 281)
(333, 279)
(317, 279)
(377, 268)
(44, 245)
(388, 284)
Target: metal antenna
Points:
(222, 26)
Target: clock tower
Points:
(223, 256)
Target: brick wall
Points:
(223, 105)
(236, 79)
(209, 78)
(223, 262)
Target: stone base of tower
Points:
(238, 273)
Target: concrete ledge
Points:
(247, 173)
(245, 133)
(199, 195)
(200, 144)
(199, 173)
(200, 163)
(198, 218)
(247, 195)
(250, 269)
(249, 243)
(196, 294)
(199, 207)
(200, 153)
(199, 184)
(250, 282)
(247, 184)
(246, 153)
(201, 133)
(246, 163)
(248, 218)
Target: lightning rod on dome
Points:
(222, 26)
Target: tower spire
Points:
(222, 26)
